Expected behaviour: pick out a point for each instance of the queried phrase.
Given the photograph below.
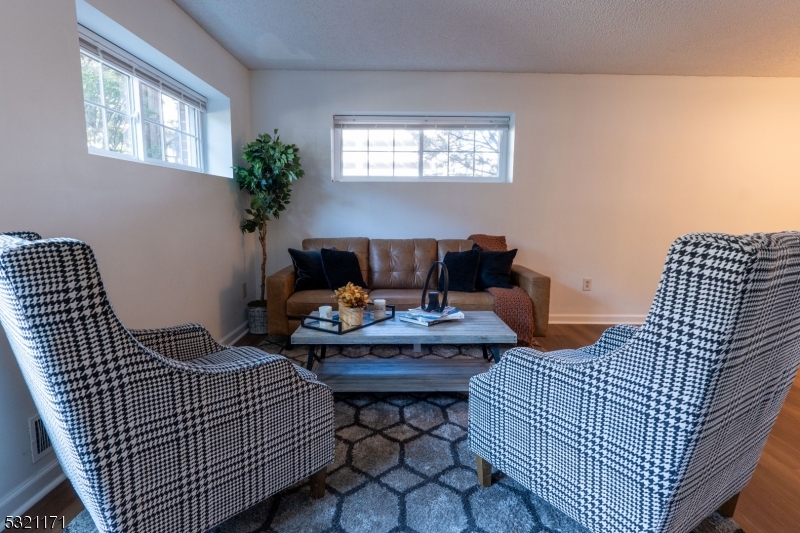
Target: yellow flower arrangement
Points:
(351, 296)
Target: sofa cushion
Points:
(452, 245)
(471, 301)
(462, 270)
(309, 274)
(400, 263)
(357, 245)
(302, 303)
(341, 268)
(406, 299)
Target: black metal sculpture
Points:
(433, 296)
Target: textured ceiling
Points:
(683, 37)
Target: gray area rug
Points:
(402, 465)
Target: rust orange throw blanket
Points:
(513, 306)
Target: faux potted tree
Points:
(274, 165)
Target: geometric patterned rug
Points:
(402, 464)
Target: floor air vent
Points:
(40, 442)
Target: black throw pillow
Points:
(462, 270)
(341, 268)
(495, 269)
(309, 274)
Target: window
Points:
(134, 111)
(415, 148)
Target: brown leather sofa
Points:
(395, 270)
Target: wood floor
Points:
(769, 504)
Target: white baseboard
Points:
(596, 319)
(22, 498)
(234, 335)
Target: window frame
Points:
(418, 122)
(105, 109)
(164, 126)
(140, 73)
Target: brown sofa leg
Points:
(484, 472)
(317, 481)
(727, 508)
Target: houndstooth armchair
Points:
(652, 429)
(151, 424)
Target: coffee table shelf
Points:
(363, 375)
(400, 375)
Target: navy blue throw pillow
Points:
(494, 269)
(309, 274)
(462, 270)
(341, 268)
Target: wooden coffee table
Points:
(384, 375)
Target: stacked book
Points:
(429, 318)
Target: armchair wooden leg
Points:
(727, 508)
(484, 472)
(317, 481)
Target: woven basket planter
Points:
(257, 320)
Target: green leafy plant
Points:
(274, 165)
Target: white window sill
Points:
(134, 159)
(413, 179)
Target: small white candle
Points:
(326, 311)
(380, 308)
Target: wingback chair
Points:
(653, 428)
(151, 424)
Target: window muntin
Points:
(131, 111)
(425, 148)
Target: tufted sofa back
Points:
(400, 263)
(392, 263)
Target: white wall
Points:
(167, 241)
(608, 170)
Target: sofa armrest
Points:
(280, 286)
(538, 288)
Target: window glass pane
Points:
(120, 138)
(380, 140)
(152, 140)
(170, 112)
(434, 140)
(434, 164)
(462, 141)
(172, 146)
(487, 165)
(354, 163)
(460, 164)
(151, 102)
(354, 140)
(90, 71)
(116, 88)
(406, 140)
(380, 163)
(487, 141)
(94, 126)
(406, 164)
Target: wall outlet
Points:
(587, 284)
(244, 290)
